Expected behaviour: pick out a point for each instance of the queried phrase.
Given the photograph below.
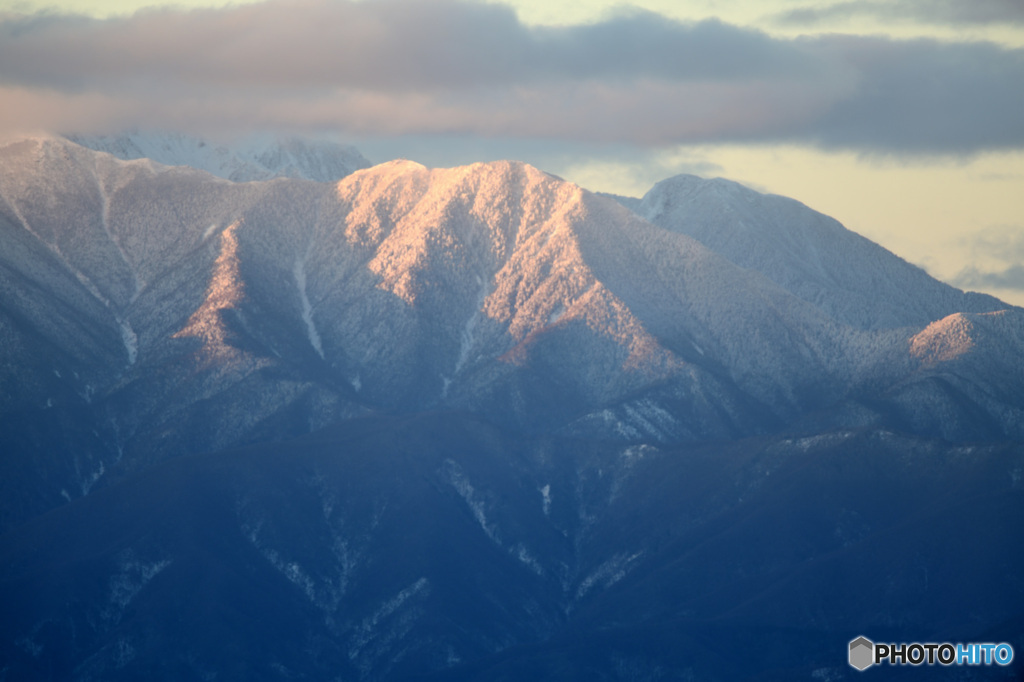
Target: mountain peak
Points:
(811, 255)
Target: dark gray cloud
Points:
(924, 96)
(415, 67)
(382, 45)
(954, 12)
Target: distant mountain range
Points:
(477, 423)
(256, 157)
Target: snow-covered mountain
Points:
(256, 157)
(852, 279)
(480, 423)
(186, 313)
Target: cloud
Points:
(953, 12)
(996, 257)
(970, 278)
(999, 242)
(384, 45)
(415, 67)
(924, 96)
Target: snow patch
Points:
(396, 602)
(633, 454)
(87, 482)
(368, 628)
(650, 419)
(299, 270)
(458, 480)
(82, 279)
(123, 653)
(524, 556)
(130, 340)
(827, 675)
(29, 646)
(133, 574)
(822, 440)
(294, 573)
(325, 585)
(469, 331)
(608, 573)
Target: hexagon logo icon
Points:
(862, 653)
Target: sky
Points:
(903, 119)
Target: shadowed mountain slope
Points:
(387, 548)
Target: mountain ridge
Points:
(212, 311)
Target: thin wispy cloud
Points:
(439, 66)
(1002, 242)
(954, 12)
(994, 256)
(973, 279)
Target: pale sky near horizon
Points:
(903, 119)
